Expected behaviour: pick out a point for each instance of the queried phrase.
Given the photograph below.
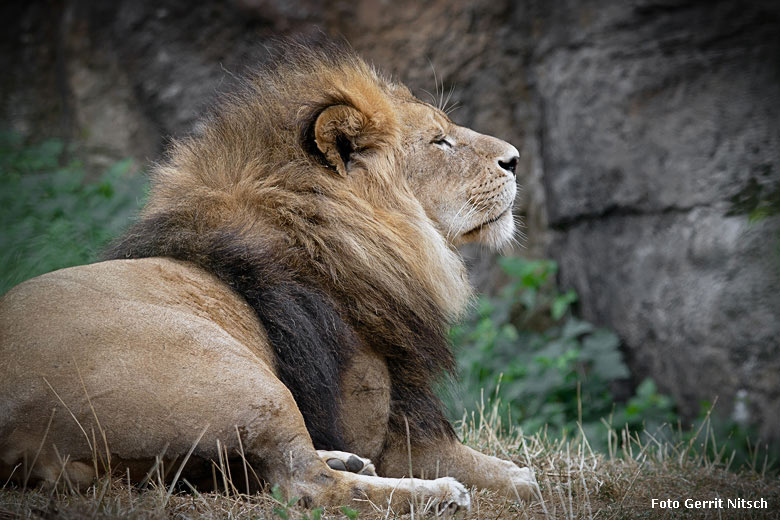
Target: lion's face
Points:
(464, 180)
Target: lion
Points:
(282, 298)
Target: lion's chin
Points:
(496, 233)
(499, 234)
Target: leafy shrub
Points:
(51, 216)
(549, 368)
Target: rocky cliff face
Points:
(641, 124)
(653, 118)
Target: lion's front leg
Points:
(453, 459)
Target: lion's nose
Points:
(509, 161)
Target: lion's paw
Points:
(344, 461)
(454, 495)
(522, 482)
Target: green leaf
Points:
(561, 304)
(276, 493)
(646, 389)
(316, 514)
(528, 298)
(574, 328)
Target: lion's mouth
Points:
(487, 222)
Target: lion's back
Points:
(108, 329)
(96, 298)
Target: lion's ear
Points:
(337, 133)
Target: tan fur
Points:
(152, 352)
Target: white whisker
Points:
(449, 96)
(455, 219)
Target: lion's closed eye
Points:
(443, 141)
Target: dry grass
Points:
(575, 482)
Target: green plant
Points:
(282, 509)
(283, 505)
(734, 444)
(51, 215)
(759, 198)
(316, 514)
(551, 369)
(647, 409)
(350, 513)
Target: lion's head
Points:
(465, 181)
(324, 182)
(323, 156)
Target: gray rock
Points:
(654, 116)
(693, 294)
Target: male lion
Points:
(287, 288)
